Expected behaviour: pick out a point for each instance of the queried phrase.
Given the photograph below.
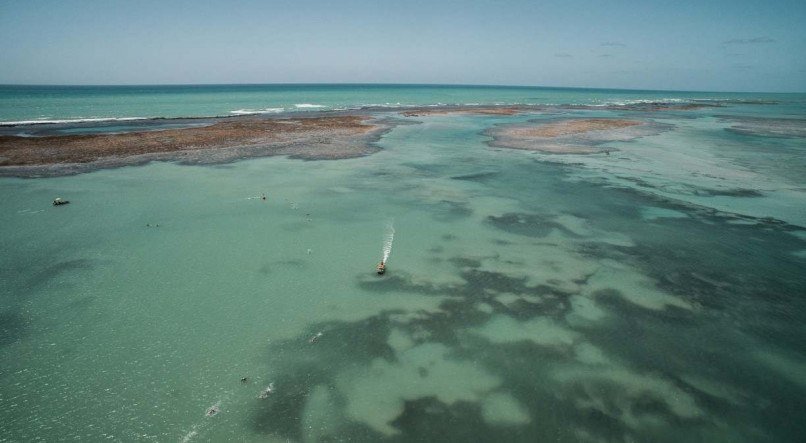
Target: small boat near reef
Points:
(59, 201)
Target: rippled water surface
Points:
(655, 293)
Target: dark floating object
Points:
(381, 268)
(244, 379)
(212, 410)
(59, 201)
(315, 338)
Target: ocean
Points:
(49, 104)
(653, 291)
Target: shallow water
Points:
(654, 294)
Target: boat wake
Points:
(388, 238)
(200, 426)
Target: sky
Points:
(705, 45)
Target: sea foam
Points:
(257, 111)
(71, 120)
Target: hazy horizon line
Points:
(475, 85)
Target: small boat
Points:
(212, 410)
(315, 338)
(381, 268)
(59, 201)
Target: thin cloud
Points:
(748, 41)
(614, 44)
(563, 55)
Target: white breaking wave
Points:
(642, 101)
(308, 105)
(72, 120)
(257, 111)
(389, 237)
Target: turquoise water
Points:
(58, 103)
(653, 294)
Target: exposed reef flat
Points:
(571, 136)
(63, 149)
(653, 106)
(486, 110)
(315, 138)
(572, 127)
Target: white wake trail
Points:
(388, 238)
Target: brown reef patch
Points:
(570, 127)
(651, 106)
(573, 136)
(510, 110)
(331, 137)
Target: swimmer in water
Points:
(263, 197)
(212, 410)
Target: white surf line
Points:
(70, 120)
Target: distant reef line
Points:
(307, 138)
(317, 135)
